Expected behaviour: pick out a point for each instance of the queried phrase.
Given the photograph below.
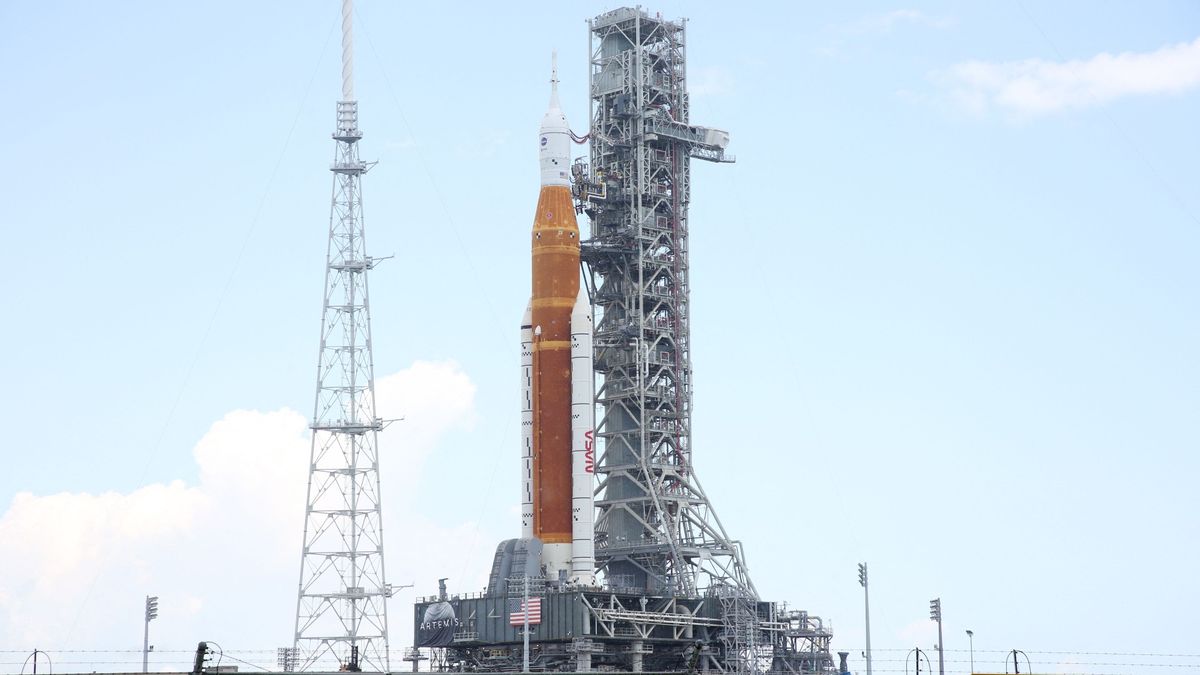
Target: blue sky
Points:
(945, 306)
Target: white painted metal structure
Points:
(583, 444)
(341, 609)
(656, 529)
(527, 422)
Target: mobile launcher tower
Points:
(671, 591)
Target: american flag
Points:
(517, 618)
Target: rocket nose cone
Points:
(554, 122)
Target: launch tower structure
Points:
(341, 609)
(656, 529)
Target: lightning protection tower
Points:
(656, 529)
(341, 611)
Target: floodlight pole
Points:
(935, 614)
(151, 614)
(862, 580)
(971, 637)
(525, 621)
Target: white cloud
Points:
(1037, 87)
(430, 398)
(223, 555)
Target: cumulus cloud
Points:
(1038, 87)
(430, 399)
(223, 554)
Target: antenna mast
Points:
(341, 608)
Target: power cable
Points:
(1162, 182)
(234, 658)
(153, 450)
(500, 324)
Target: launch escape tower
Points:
(656, 529)
(341, 612)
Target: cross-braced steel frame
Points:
(656, 529)
(341, 610)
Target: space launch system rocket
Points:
(557, 425)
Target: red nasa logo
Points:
(589, 454)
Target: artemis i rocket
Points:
(557, 418)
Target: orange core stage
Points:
(555, 287)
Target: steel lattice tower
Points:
(341, 609)
(656, 529)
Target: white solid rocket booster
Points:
(583, 444)
(527, 423)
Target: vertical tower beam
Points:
(341, 610)
(656, 529)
